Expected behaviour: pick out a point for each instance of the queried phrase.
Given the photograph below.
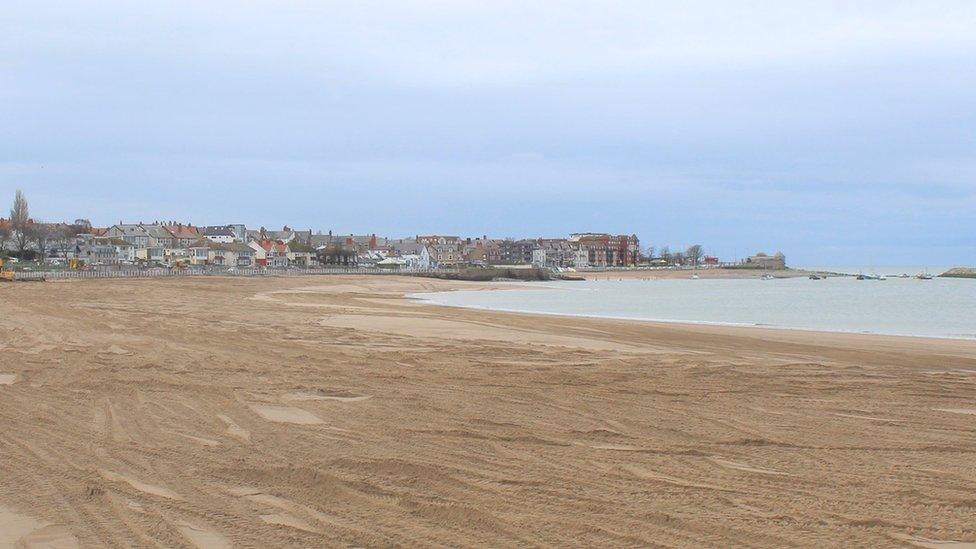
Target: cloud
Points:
(777, 125)
(501, 43)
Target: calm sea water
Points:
(939, 307)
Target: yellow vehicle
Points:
(4, 273)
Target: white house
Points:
(153, 254)
(220, 235)
(539, 257)
(126, 252)
(269, 253)
(200, 252)
(417, 262)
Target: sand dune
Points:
(331, 411)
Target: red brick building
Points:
(607, 250)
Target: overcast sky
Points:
(837, 132)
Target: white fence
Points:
(159, 272)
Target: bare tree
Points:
(694, 254)
(21, 224)
(666, 254)
(650, 252)
(65, 238)
(43, 233)
(4, 236)
(335, 254)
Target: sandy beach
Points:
(332, 411)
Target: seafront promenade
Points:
(588, 273)
(168, 273)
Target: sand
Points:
(331, 411)
(24, 532)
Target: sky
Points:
(841, 133)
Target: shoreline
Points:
(689, 323)
(507, 285)
(704, 273)
(502, 285)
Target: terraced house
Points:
(177, 245)
(183, 235)
(142, 235)
(231, 254)
(445, 251)
(105, 251)
(558, 253)
(482, 251)
(269, 253)
(607, 250)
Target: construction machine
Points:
(5, 275)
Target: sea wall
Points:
(491, 273)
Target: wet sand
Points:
(331, 411)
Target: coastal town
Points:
(80, 245)
(312, 274)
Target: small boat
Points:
(815, 276)
(767, 277)
(863, 276)
(881, 277)
(695, 276)
(923, 276)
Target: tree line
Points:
(28, 239)
(692, 255)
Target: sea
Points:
(942, 307)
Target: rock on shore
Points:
(960, 272)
